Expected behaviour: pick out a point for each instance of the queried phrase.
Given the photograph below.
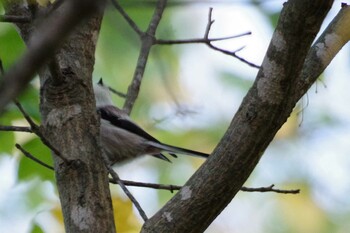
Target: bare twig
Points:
(147, 41)
(15, 128)
(122, 183)
(233, 54)
(173, 188)
(116, 180)
(230, 53)
(118, 93)
(127, 192)
(127, 18)
(30, 156)
(270, 189)
(14, 19)
(169, 187)
(36, 129)
(198, 40)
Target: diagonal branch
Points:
(147, 41)
(263, 111)
(335, 36)
(30, 156)
(43, 44)
(117, 180)
(36, 129)
(128, 19)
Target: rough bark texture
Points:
(265, 108)
(70, 123)
(69, 120)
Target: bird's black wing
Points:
(109, 113)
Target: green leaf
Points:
(7, 138)
(37, 229)
(29, 99)
(28, 168)
(11, 45)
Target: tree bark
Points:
(263, 111)
(69, 119)
(70, 123)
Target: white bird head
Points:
(102, 94)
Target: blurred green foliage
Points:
(27, 168)
(116, 56)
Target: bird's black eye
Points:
(100, 82)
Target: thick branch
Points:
(335, 36)
(263, 111)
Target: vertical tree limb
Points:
(67, 106)
(42, 43)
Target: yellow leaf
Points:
(124, 216)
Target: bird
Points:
(122, 139)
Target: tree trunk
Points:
(70, 122)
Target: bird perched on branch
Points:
(122, 139)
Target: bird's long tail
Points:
(174, 149)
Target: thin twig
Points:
(30, 156)
(36, 129)
(209, 24)
(270, 189)
(198, 40)
(118, 93)
(147, 41)
(14, 19)
(233, 54)
(170, 187)
(173, 188)
(33, 126)
(16, 128)
(127, 18)
(230, 53)
(127, 192)
(117, 180)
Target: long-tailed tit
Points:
(122, 139)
